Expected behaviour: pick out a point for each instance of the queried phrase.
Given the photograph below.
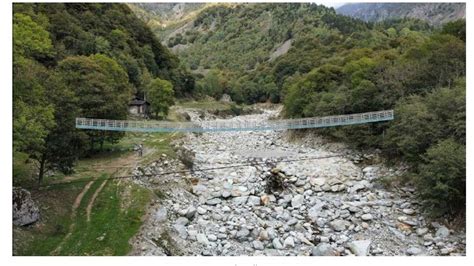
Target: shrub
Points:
(441, 180)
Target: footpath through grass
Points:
(115, 218)
(115, 212)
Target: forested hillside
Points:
(320, 63)
(165, 19)
(434, 13)
(80, 60)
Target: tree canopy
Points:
(160, 94)
(80, 60)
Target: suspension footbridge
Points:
(233, 125)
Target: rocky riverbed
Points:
(267, 195)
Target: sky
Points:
(330, 4)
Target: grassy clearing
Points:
(43, 237)
(116, 213)
(111, 226)
(156, 141)
(108, 231)
(208, 105)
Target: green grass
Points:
(116, 214)
(155, 144)
(206, 104)
(55, 209)
(109, 220)
(22, 169)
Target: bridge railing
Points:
(217, 125)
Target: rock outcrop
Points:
(25, 210)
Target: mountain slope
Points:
(240, 39)
(113, 30)
(164, 18)
(434, 13)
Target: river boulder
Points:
(25, 210)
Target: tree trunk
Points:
(92, 145)
(41, 169)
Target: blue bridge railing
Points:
(233, 125)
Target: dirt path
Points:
(119, 166)
(75, 206)
(91, 202)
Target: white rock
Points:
(263, 235)
(201, 210)
(360, 247)
(338, 225)
(317, 181)
(442, 232)
(289, 242)
(182, 221)
(191, 212)
(240, 200)
(242, 233)
(161, 214)
(367, 217)
(201, 238)
(253, 201)
(226, 194)
(323, 249)
(213, 201)
(257, 245)
(297, 201)
(212, 238)
(181, 229)
(277, 244)
(421, 231)
(413, 251)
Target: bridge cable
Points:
(187, 171)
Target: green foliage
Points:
(442, 177)
(424, 120)
(73, 60)
(430, 133)
(33, 114)
(64, 143)
(241, 42)
(320, 88)
(101, 86)
(43, 125)
(414, 129)
(456, 28)
(112, 30)
(213, 84)
(160, 94)
(29, 38)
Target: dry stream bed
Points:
(304, 197)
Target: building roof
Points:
(137, 101)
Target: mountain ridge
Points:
(435, 13)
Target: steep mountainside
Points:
(113, 30)
(434, 13)
(226, 42)
(164, 18)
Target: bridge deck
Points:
(217, 125)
